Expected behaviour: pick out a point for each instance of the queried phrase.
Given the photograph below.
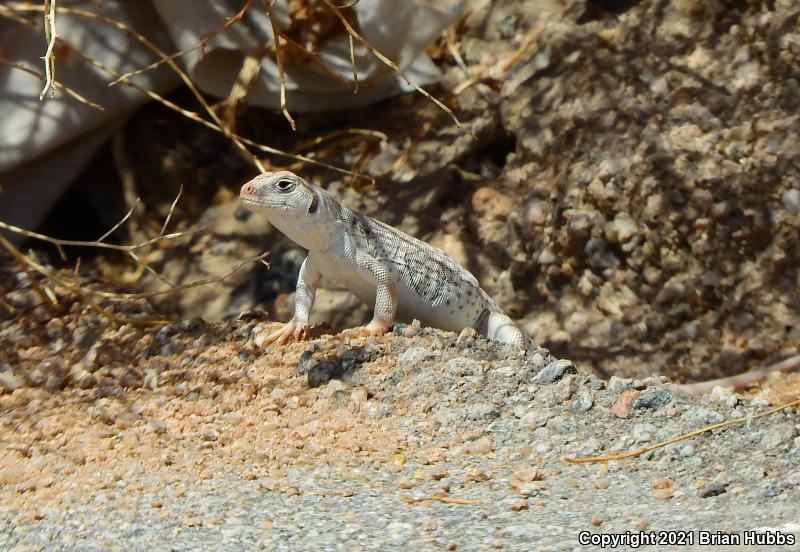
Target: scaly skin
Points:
(402, 276)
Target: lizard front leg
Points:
(385, 294)
(295, 329)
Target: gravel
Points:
(438, 447)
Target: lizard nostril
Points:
(247, 189)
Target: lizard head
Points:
(279, 192)
(292, 205)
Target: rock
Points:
(536, 360)
(534, 419)
(621, 230)
(624, 403)
(791, 201)
(778, 435)
(662, 489)
(409, 358)
(430, 524)
(582, 402)
(482, 411)
(320, 373)
(85, 336)
(407, 483)
(9, 382)
(618, 385)
(463, 366)
(398, 531)
(653, 399)
(700, 415)
(80, 377)
(643, 432)
(435, 472)
(490, 204)
(713, 489)
(555, 371)
(467, 335)
(483, 445)
(541, 433)
(49, 374)
(129, 377)
(159, 426)
(589, 446)
(724, 396)
(519, 505)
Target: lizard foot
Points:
(374, 328)
(291, 331)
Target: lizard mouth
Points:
(255, 202)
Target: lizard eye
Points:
(285, 185)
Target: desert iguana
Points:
(402, 276)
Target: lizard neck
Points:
(312, 231)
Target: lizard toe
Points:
(374, 328)
(291, 331)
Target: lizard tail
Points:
(500, 328)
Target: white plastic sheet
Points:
(44, 145)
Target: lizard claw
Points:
(291, 331)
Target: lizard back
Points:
(431, 286)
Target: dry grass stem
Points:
(316, 59)
(55, 84)
(144, 265)
(389, 62)
(99, 245)
(317, 140)
(276, 33)
(229, 22)
(171, 210)
(28, 262)
(175, 288)
(251, 67)
(353, 61)
(499, 72)
(121, 221)
(638, 452)
(434, 498)
(49, 56)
